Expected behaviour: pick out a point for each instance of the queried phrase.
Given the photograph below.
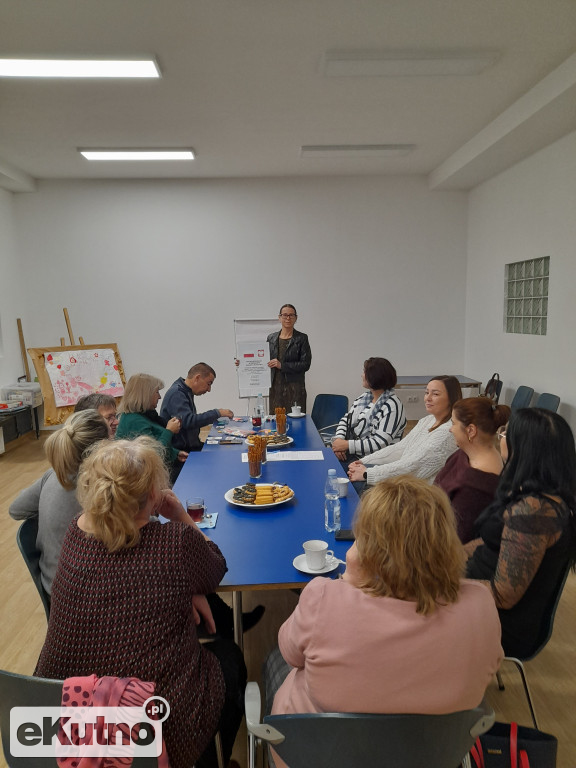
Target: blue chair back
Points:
(328, 410)
(26, 539)
(522, 397)
(548, 401)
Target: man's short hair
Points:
(94, 401)
(203, 369)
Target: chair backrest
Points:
(26, 539)
(379, 741)
(24, 691)
(522, 397)
(548, 401)
(547, 624)
(328, 410)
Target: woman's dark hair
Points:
(481, 412)
(379, 373)
(454, 391)
(541, 458)
(291, 307)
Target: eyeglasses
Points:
(500, 435)
(287, 317)
(112, 418)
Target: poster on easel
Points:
(66, 373)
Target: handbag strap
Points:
(477, 755)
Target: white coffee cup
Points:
(296, 410)
(317, 554)
(343, 483)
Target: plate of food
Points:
(259, 495)
(273, 440)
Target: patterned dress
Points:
(129, 614)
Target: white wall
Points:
(375, 266)
(11, 307)
(524, 213)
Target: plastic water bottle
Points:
(331, 502)
(260, 406)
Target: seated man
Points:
(104, 404)
(179, 401)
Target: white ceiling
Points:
(242, 84)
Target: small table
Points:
(17, 422)
(260, 544)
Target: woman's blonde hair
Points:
(138, 393)
(65, 448)
(115, 483)
(407, 543)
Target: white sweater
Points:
(420, 453)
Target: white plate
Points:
(276, 446)
(296, 415)
(300, 564)
(229, 496)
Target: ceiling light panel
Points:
(73, 68)
(406, 63)
(137, 154)
(357, 150)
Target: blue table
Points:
(260, 544)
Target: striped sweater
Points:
(369, 426)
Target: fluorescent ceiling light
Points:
(137, 154)
(406, 63)
(78, 68)
(357, 150)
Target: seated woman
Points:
(122, 600)
(401, 632)
(528, 535)
(376, 418)
(52, 498)
(470, 476)
(139, 417)
(423, 452)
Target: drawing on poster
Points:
(81, 372)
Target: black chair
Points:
(327, 412)
(26, 538)
(540, 642)
(25, 691)
(548, 401)
(521, 398)
(341, 740)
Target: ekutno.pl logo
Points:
(88, 731)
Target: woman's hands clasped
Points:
(356, 471)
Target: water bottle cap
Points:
(332, 472)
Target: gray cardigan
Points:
(54, 507)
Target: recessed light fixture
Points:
(357, 150)
(137, 154)
(406, 63)
(72, 68)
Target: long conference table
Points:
(260, 544)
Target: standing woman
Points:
(290, 358)
(470, 476)
(139, 417)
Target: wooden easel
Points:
(54, 414)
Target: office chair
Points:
(326, 413)
(539, 643)
(26, 539)
(548, 401)
(521, 398)
(340, 740)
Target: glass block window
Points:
(526, 296)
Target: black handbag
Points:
(509, 745)
(493, 388)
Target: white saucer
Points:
(300, 564)
(296, 415)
